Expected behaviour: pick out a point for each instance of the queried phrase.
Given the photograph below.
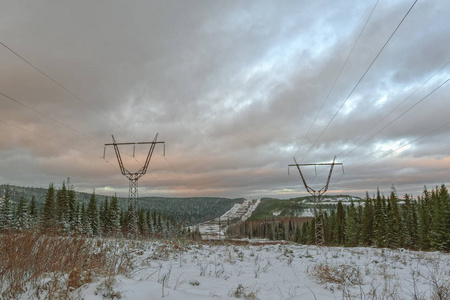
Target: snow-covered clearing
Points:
(169, 270)
(216, 228)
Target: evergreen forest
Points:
(421, 223)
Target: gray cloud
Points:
(231, 87)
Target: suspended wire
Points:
(67, 90)
(48, 117)
(360, 79)
(337, 77)
(392, 151)
(372, 127)
(53, 140)
(47, 138)
(401, 115)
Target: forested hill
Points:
(191, 210)
(297, 207)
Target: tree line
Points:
(422, 223)
(63, 213)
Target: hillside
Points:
(296, 207)
(192, 210)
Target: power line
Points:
(337, 77)
(372, 127)
(360, 79)
(46, 116)
(401, 115)
(54, 141)
(65, 89)
(395, 150)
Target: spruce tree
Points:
(424, 220)
(72, 209)
(114, 216)
(21, 216)
(351, 226)
(438, 227)
(380, 222)
(394, 234)
(92, 216)
(48, 218)
(6, 211)
(32, 209)
(367, 222)
(62, 207)
(340, 224)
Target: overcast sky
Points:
(235, 89)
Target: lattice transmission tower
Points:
(317, 196)
(133, 178)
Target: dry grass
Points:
(341, 274)
(50, 267)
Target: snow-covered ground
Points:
(193, 271)
(216, 228)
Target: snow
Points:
(216, 228)
(271, 271)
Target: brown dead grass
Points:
(53, 266)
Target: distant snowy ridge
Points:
(216, 228)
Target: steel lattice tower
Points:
(317, 195)
(133, 178)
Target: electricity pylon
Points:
(133, 178)
(317, 195)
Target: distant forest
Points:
(192, 210)
(419, 224)
(65, 211)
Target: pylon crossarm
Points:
(119, 158)
(303, 178)
(149, 155)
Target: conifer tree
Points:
(351, 226)
(62, 207)
(367, 222)
(21, 217)
(438, 233)
(340, 224)
(6, 211)
(48, 218)
(380, 226)
(92, 216)
(33, 212)
(424, 219)
(394, 234)
(105, 222)
(114, 215)
(72, 209)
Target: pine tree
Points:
(48, 218)
(62, 207)
(114, 215)
(32, 209)
(367, 222)
(6, 211)
(351, 226)
(105, 222)
(380, 222)
(394, 235)
(438, 227)
(424, 220)
(93, 216)
(340, 224)
(21, 216)
(72, 209)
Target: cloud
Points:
(234, 89)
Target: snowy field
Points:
(281, 271)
